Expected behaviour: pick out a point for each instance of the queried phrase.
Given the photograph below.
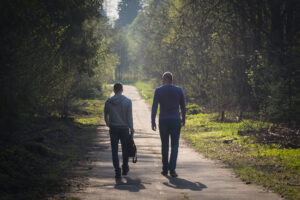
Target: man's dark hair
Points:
(118, 87)
(168, 75)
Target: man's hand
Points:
(154, 127)
(132, 133)
(182, 124)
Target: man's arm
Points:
(182, 107)
(154, 110)
(129, 117)
(106, 116)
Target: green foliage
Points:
(52, 52)
(146, 90)
(193, 109)
(33, 164)
(233, 56)
(120, 47)
(135, 54)
(269, 165)
(128, 10)
(88, 111)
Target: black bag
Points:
(131, 149)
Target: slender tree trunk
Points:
(222, 116)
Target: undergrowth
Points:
(34, 159)
(270, 165)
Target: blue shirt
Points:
(170, 97)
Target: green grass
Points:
(146, 90)
(88, 111)
(275, 168)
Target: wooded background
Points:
(236, 60)
(236, 56)
(51, 53)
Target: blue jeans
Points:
(167, 128)
(117, 134)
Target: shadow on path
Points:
(132, 185)
(179, 183)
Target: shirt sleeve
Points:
(154, 107)
(182, 105)
(129, 117)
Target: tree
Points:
(128, 10)
(47, 47)
(233, 56)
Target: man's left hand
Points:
(132, 133)
(153, 127)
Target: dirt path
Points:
(199, 178)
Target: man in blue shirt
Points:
(170, 97)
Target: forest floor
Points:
(199, 178)
(35, 159)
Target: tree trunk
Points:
(222, 116)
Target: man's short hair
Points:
(118, 87)
(168, 75)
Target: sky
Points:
(110, 7)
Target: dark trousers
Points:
(167, 128)
(117, 134)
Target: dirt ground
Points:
(199, 178)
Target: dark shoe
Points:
(164, 173)
(173, 173)
(125, 172)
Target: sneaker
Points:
(125, 172)
(173, 173)
(164, 173)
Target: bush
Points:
(193, 109)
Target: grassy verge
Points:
(270, 165)
(146, 89)
(34, 160)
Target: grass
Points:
(34, 161)
(88, 112)
(271, 166)
(146, 89)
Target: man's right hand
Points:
(154, 127)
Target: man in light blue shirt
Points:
(170, 98)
